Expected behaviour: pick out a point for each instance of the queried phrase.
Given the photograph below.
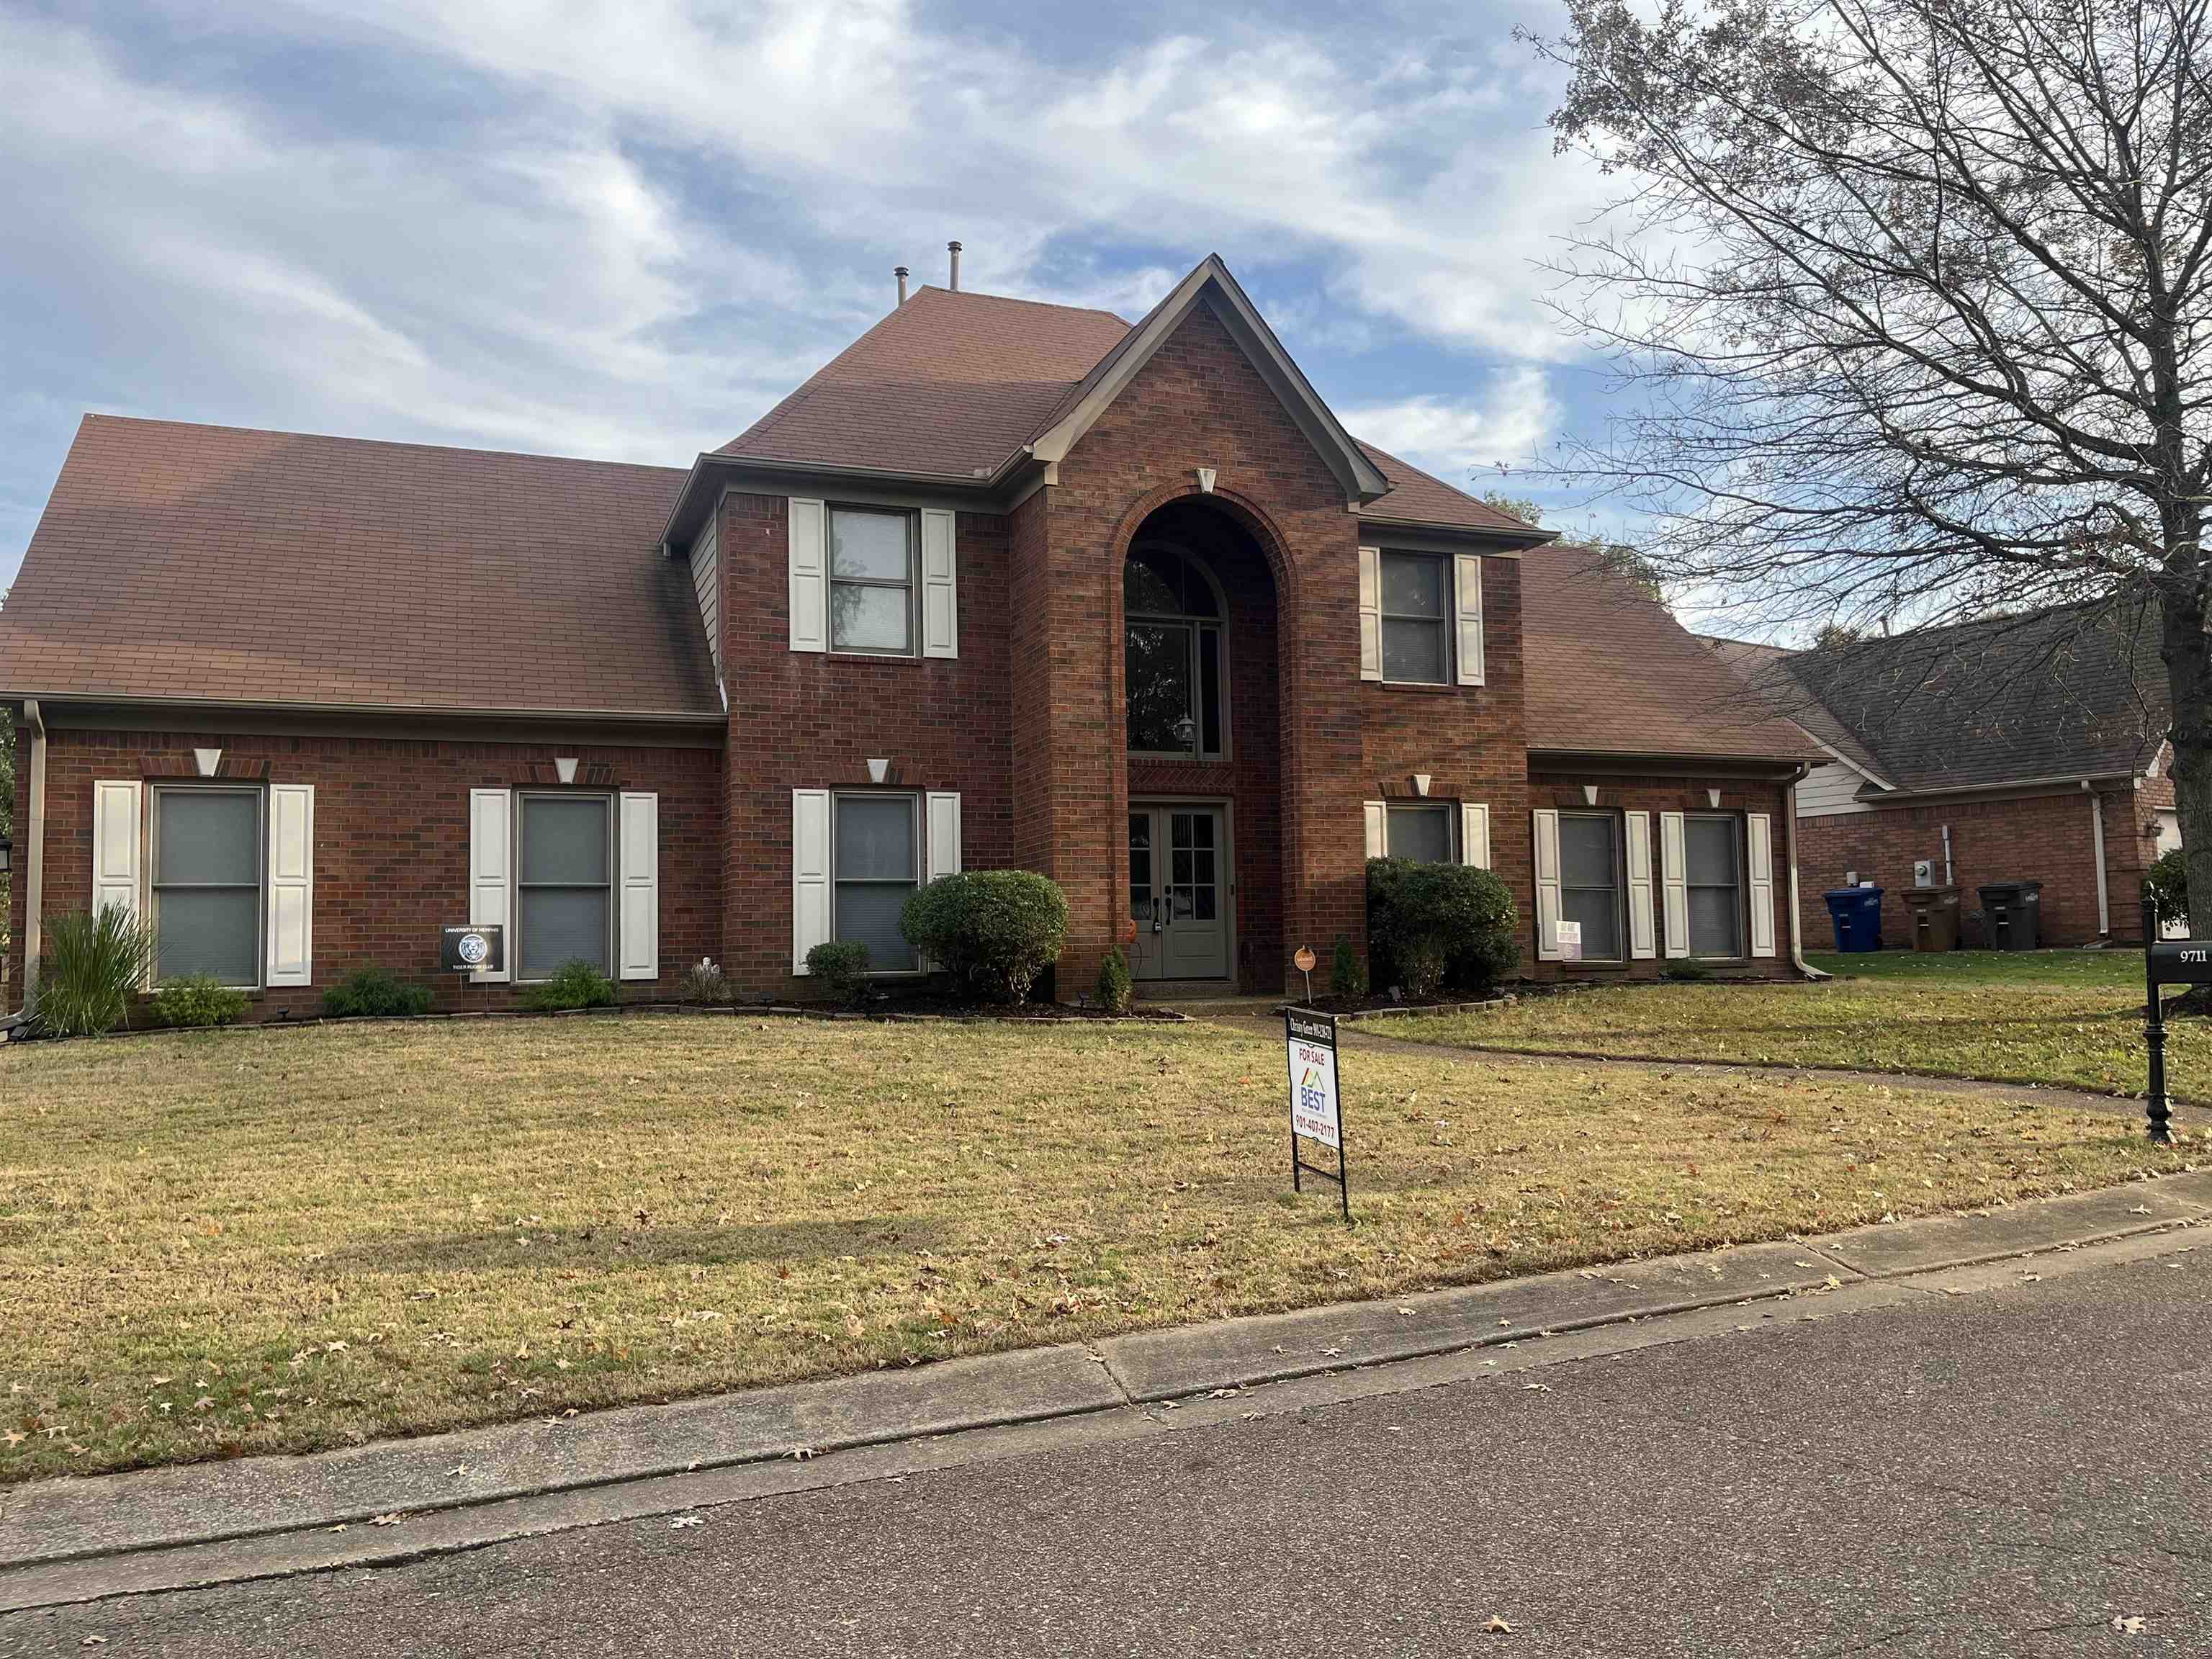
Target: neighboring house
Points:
(2027, 748)
(1005, 584)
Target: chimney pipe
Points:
(901, 274)
(953, 248)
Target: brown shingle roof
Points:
(947, 384)
(181, 562)
(1608, 671)
(1416, 497)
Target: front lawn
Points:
(2070, 1018)
(264, 1241)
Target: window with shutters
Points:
(875, 864)
(1173, 680)
(872, 580)
(1428, 832)
(1589, 881)
(1416, 618)
(206, 884)
(565, 891)
(1713, 865)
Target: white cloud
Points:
(1454, 438)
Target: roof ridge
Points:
(416, 444)
(1012, 300)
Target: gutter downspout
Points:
(34, 856)
(1805, 968)
(2097, 842)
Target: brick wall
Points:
(391, 838)
(2047, 838)
(813, 719)
(1654, 794)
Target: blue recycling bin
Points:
(1856, 912)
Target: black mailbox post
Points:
(2166, 961)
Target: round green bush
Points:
(375, 994)
(994, 931)
(2168, 881)
(1429, 925)
(198, 999)
(839, 967)
(1115, 987)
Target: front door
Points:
(1179, 892)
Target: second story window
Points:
(1173, 680)
(1416, 619)
(872, 580)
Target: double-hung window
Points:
(564, 896)
(206, 883)
(875, 867)
(872, 580)
(1589, 881)
(1424, 832)
(1416, 618)
(1713, 865)
(1171, 655)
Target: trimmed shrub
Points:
(1115, 987)
(705, 982)
(1347, 974)
(371, 993)
(1429, 925)
(994, 931)
(841, 967)
(198, 999)
(91, 967)
(574, 984)
(2168, 881)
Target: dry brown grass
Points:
(281, 1240)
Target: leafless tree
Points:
(1910, 305)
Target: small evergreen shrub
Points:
(373, 993)
(841, 967)
(2168, 881)
(1429, 925)
(198, 999)
(91, 967)
(994, 931)
(1685, 970)
(1347, 974)
(704, 982)
(1115, 987)
(574, 985)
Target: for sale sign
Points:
(1315, 1111)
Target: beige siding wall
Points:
(1830, 789)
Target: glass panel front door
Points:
(1179, 892)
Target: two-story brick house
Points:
(1003, 584)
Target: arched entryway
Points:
(1200, 738)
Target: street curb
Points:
(81, 1521)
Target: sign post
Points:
(2165, 962)
(1316, 1109)
(1304, 960)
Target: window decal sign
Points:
(1570, 937)
(1316, 1107)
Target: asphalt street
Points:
(2005, 1473)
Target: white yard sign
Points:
(1314, 1112)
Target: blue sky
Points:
(623, 228)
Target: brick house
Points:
(1005, 584)
(2025, 747)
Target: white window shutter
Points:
(1467, 590)
(940, 586)
(291, 883)
(491, 841)
(943, 813)
(640, 884)
(1474, 834)
(1640, 942)
(1378, 829)
(1546, 825)
(1673, 884)
(117, 839)
(1758, 855)
(811, 921)
(1370, 613)
(809, 525)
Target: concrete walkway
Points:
(75, 1539)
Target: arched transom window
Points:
(1175, 677)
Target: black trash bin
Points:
(2012, 915)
